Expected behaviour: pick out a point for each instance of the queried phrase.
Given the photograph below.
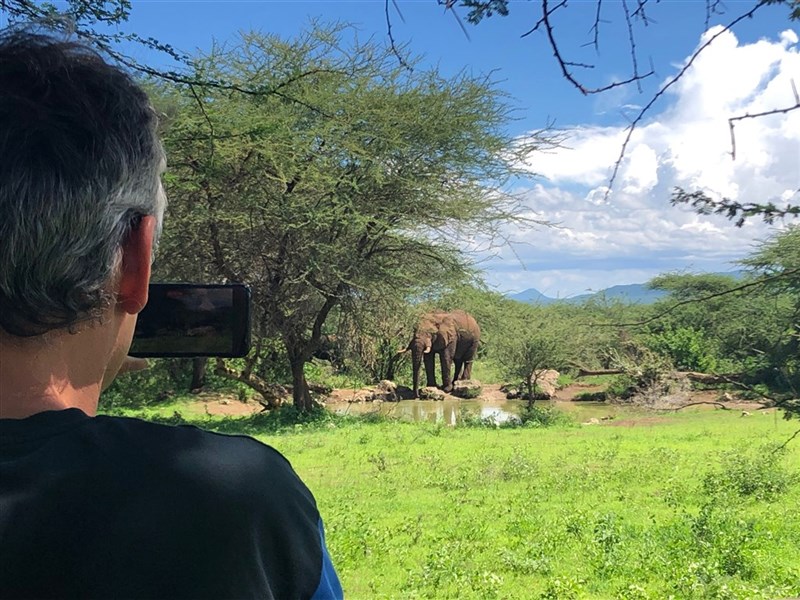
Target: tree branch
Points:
(732, 121)
(673, 80)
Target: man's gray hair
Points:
(80, 163)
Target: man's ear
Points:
(134, 278)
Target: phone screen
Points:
(183, 320)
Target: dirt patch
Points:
(570, 392)
(638, 422)
(492, 393)
(216, 404)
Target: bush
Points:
(157, 384)
(688, 348)
(759, 475)
(622, 387)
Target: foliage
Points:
(688, 349)
(741, 211)
(530, 416)
(745, 327)
(356, 191)
(372, 330)
(163, 381)
(743, 473)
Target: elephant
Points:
(454, 336)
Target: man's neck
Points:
(63, 371)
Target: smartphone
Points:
(188, 320)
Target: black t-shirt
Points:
(111, 507)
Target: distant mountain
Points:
(532, 296)
(635, 293)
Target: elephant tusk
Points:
(427, 350)
(402, 350)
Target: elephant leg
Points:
(430, 368)
(447, 362)
(469, 359)
(458, 374)
(467, 370)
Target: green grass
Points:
(417, 510)
(694, 505)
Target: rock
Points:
(362, 395)
(385, 391)
(431, 393)
(546, 382)
(404, 393)
(592, 421)
(467, 388)
(386, 386)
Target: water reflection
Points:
(450, 411)
(446, 411)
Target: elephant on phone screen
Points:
(454, 336)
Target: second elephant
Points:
(454, 336)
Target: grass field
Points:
(686, 505)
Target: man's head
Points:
(81, 201)
(79, 166)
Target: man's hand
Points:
(131, 364)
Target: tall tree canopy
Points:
(363, 185)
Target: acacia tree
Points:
(778, 260)
(362, 185)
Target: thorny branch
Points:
(565, 64)
(672, 81)
(479, 9)
(632, 42)
(732, 121)
(741, 211)
(786, 443)
(81, 16)
(713, 7)
(596, 27)
(395, 51)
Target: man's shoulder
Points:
(237, 467)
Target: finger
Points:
(132, 364)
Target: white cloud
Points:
(635, 233)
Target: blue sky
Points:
(634, 234)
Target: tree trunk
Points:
(530, 382)
(588, 372)
(392, 366)
(271, 393)
(198, 373)
(707, 378)
(300, 393)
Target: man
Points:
(94, 506)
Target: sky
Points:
(632, 233)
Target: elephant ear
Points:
(448, 330)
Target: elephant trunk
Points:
(416, 362)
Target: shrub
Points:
(688, 348)
(760, 475)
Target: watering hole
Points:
(451, 411)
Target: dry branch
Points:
(717, 404)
